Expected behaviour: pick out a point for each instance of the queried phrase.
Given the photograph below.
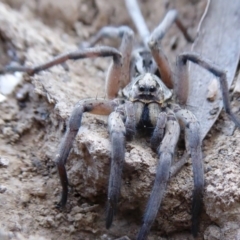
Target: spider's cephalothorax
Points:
(147, 104)
(149, 96)
(147, 88)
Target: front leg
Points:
(193, 146)
(101, 107)
(117, 136)
(166, 153)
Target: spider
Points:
(142, 94)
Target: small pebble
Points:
(4, 162)
(212, 90)
(2, 189)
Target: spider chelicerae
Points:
(142, 93)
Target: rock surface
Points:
(33, 120)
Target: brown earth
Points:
(33, 120)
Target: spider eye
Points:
(152, 89)
(141, 88)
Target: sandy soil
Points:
(33, 120)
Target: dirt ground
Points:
(33, 120)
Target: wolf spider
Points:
(148, 100)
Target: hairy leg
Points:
(114, 77)
(208, 65)
(117, 136)
(166, 152)
(154, 43)
(75, 55)
(127, 38)
(193, 145)
(101, 107)
(156, 139)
